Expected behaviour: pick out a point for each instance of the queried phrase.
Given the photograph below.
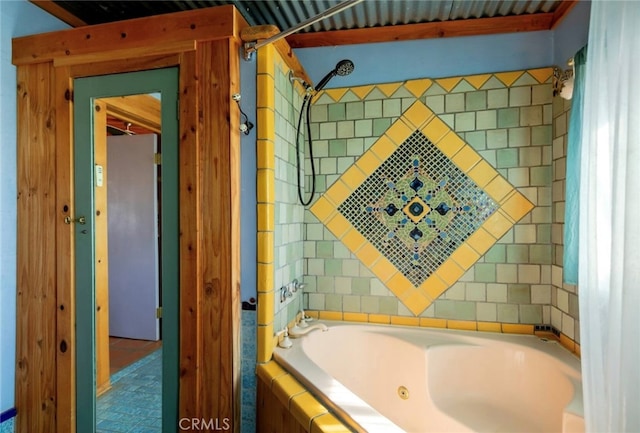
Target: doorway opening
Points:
(127, 265)
(128, 292)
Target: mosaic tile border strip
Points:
(418, 88)
(512, 206)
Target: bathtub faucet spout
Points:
(296, 331)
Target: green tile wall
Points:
(289, 214)
(512, 128)
(564, 297)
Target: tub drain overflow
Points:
(403, 392)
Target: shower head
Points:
(344, 67)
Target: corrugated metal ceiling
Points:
(286, 14)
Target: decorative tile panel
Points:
(427, 208)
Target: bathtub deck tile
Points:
(270, 371)
(355, 317)
(286, 387)
(465, 325)
(433, 323)
(327, 423)
(406, 321)
(567, 343)
(330, 315)
(514, 328)
(380, 318)
(305, 408)
(312, 314)
(489, 327)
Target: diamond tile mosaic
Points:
(420, 207)
(417, 208)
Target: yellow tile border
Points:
(416, 301)
(270, 371)
(362, 91)
(265, 61)
(405, 321)
(508, 78)
(304, 408)
(418, 87)
(489, 327)
(516, 328)
(426, 322)
(323, 209)
(462, 325)
(477, 81)
(330, 315)
(448, 83)
(389, 88)
(265, 247)
(328, 423)
(265, 154)
(429, 322)
(353, 177)
(266, 304)
(286, 387)
(337, 93)
(265, 274)
(355, 317)
(266, 179)
(266, 121)
(264, 335)
(267, 91)
(383, 319)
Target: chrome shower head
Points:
(344, 67)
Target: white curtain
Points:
(609, 267)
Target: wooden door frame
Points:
(205, 45)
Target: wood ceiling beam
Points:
(443, 29)
(130, 36)
(562, 11)
(58, 12)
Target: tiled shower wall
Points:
(507, 119)
(280, 218)
(564, 297)
(289, 213)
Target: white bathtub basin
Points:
(399, 379)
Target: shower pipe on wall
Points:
(344, 67)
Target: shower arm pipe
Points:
(251, 47)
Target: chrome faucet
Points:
(296, 331)
(296, 285)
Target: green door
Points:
(86, 91)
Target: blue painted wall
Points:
(571, 34)
(17, 18)
(430, 58)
